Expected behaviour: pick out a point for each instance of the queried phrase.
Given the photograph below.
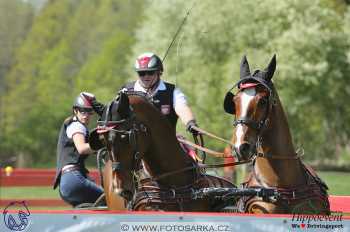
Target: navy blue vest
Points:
(162, 100)
(67, 152)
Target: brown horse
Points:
(262, 133)
(149, 168)
(109, 180)
(110, 183)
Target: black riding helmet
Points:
(82, 103)
(148, 62)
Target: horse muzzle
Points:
(244, 151)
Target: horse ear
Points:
(123, 106)
(270, 69)
(244, 69)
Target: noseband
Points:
(250, 123)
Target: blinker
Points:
(229, 105)
(95, 141)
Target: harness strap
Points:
(280, 157)
(200, 166)
(207, 150)
(149, 192)
(161, 176)
(200, 143)
(249, 122)
(311, 189)
(161, 197)
(225, 164)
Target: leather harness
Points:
(314, 188)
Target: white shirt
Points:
(76, 127)
(179, 97)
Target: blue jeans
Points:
(76, 188)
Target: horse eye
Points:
(263, 101)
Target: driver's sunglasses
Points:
(144, 73)
(86, 111)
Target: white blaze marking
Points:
(246, 97)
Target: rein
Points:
(106, 126)
(250, 122)
(207, 150)
(200, 166)
(212, 135)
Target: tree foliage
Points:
(15, 21)
(73, 46)
(310, 38)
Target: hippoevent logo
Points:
(313, 221)
(18, 218)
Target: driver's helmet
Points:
(81, 102)
(148, 62)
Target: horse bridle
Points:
(136, 127)
(258, 125)
(131, 133)
(112, 127)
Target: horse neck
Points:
(277, 142)
(277, 139)
(164, 153)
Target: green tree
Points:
(310, 39)
(15, 21)
(66, 52)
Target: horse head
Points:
(145, 154)
(251, 106)
(121, 133)
(262, 133)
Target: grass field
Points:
(28, 193)
(338, 183)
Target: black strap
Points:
(249, 122)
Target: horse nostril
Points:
(244, 149)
